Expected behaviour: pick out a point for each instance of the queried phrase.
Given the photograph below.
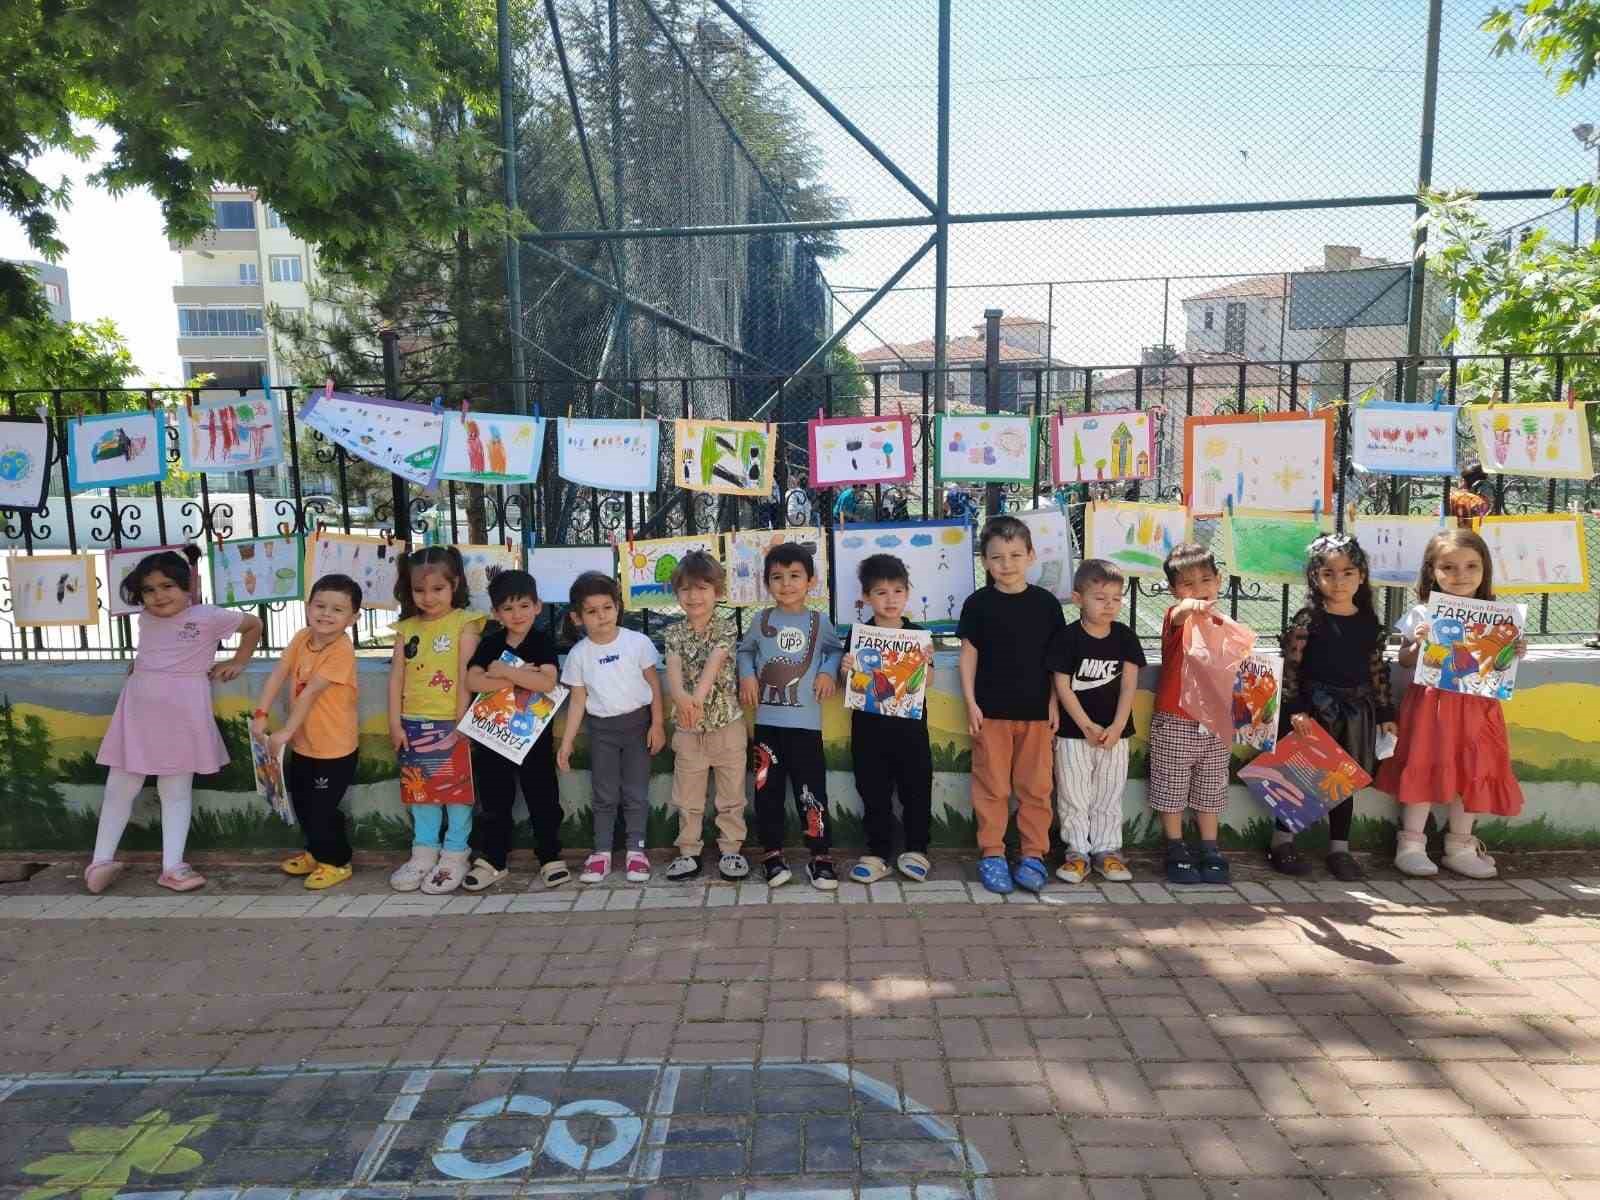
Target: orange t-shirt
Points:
(331, 728)
(1170, 685)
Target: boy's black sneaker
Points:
(823, 877)
(1214, 867)
(1181, 866)
(778, 872)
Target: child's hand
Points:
(655, 741)
(1092, 733)
(1112, 734)
(277, 742)
(1389, 727)
(1522, 647)
(498, 670)
(397, 736)
(687, 713)
(1301, 724)
(749, 692)
(564, 756)
(974, 721)
(223, 672)
(847, 663)
(258, 726)
(1054, 719)
(826, 686)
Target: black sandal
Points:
(1344, 867)
(1286, 860)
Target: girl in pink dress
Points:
(163, 725)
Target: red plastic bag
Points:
(1213, 649)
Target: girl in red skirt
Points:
(1453, 748)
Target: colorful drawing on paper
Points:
(556, 568)
(1257, 697)
(1550, 440)
(619, 456)
(484, 447)
(52, 589)
(1394, 546)
(372, 562)
(1303, 776)
(851, 450)
(401, 438)
(646, 568)
(1052, 550)
(744, 554)
(1403, 439)
(120, 563)
(229, 435)
(986, 449)
(938, 556)
(116, 450)
(24, 463)
(1268, 545)
(1471, 646)
(1538, 552)
(257, 570)
(733, 458)
(436, 765)
(889, 674)
(1137, 537)
(270, 782)
(483, 563)
(1277, 461)
(1102, 446)
(512, 719)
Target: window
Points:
(234, 214)
(227, 373)
(910, 381)
(249, 272)
(219, 322)
(274, 221)
(1211, 320)
(52, 293)
(1233, 332)
(284, 268)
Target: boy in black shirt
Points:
(1096, 662)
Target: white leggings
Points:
(177, 804)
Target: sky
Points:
(1063, 105)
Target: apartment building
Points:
(53, 280)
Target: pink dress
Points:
(163, 724)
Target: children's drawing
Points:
(1305, 775)
(1394, 546)
(52, 589)
(619, 456)
(556, 568)
(436, 764)
(744, 554)
(730, 457)
(1137, 537)
(938, 556)
(852, 450)
(986, 449)
(401, 438)
(1280, 461)
(647, 567)
(483, 563)
(1052, 550)
(372, 562)
(119, 563)
(511, 720)
(890, 673)
(229, 435)
(1551, 440)
(491, 447)
(1403, 439)
(116, 449)
(257, 570)
(270, 783)
(1268, 545)
(1257, 696)
(1103, 446)
(24, 463)
(1540, 552)
(1471, 646)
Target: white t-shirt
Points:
(613, 673)
(1412, 621)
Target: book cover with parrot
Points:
(1471, 646)
(890, 671)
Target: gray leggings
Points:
(619, 770)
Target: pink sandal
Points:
(182, 878)
(101, 875)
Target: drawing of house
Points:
(1121, 451)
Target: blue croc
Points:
(1030, 875)
(1213, 867)
(1181, 866)
(995, 874)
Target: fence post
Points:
(391, 389)
(991, 389)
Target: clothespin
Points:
(1438, 396)
(1228, 500)
(466, 407)
(327, 388)
(819, 414)
(438, 404)
(44, 414)
(1572, 396)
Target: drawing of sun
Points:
(1288, 477)
(1215, 447)
(951, 536)
(640, 561)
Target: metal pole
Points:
(614, 63)
(508, 148)
(554, 21)
(991, 389)
(941, 213)
(1430, 99)
(390, 340)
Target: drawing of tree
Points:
(1099, 468)
(1078, 457)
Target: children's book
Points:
(1471, 646)
(1303, 776)
(1257, 700)
(511, 720)
(269, 776)
(891, 671)
(436, 764)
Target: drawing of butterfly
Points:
(1288, 477)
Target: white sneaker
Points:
(408, 876)
(683, 868)
(1465, 856)
(596, 867)
(446, 877)
(1411, 857)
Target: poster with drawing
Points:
(1303, 776)
(1394, 546)
(239, 434)
(1257, 701)
(1100, 447)
(1268, 545)
(1471, 646)
(483, 563)
(939, 558)
(1052, 550)
(889, 672)
(986, 449)
(1551, 440)
(52, 589)
(732, 458)
(1539, 552)
(618, 456)
(851, 450)
(556, 568)
(401, 438)
(744, 554)
(511, 720)
(1137, 537)
(1278, 461)
(116, 449)
(647, 567)
(482, 447)
(1403, 439)
(119, 563)
(372, 562)
(270, 784)
(24, 463)
(248, 571)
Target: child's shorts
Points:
(1188, 766)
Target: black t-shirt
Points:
(1011, 632)
(1095, 665)
(857, 717)
(536, 649)
(1341, 654)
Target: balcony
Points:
(216, 293)
(223, 347)
(220, 241)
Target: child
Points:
(612, 674)
(787, 665)
(1096, 663)
(1188, 763)
(890, 754)
(515, 598)
(1005, 629)
(1333, 670)
(434, 641)
(708, 735)
(163, 724)
(1453, 747)
(322, 728)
